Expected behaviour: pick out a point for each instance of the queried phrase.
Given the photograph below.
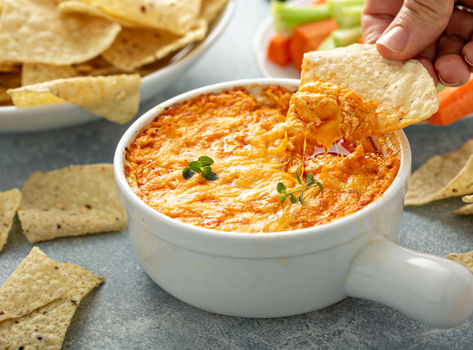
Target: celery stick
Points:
(351, 16)
(345, 37)
(440, 87)
(327, 44)
(287, 18)
(345, 17)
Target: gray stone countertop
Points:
(130, 311)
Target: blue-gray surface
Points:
(130, 312)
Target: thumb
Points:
(417, 25)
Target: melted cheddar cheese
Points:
(254, 146)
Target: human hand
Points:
(433, 31)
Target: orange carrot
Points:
(308, 37)
(454, 104)
(278, 49)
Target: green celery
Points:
(351, 16)
(327, 44)
(347, 13)
(345, 37)
(286, 18)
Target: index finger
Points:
(377, 16)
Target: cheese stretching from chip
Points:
(254, 147)
(389, 95)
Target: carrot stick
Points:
(278, 49)
(454, 104)
(308, 37)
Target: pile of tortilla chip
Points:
(39, 299)
(448, 175)
(72, 201)
(92, 53)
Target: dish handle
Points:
(427, 288)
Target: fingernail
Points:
(448, 84)
(467, 60)
(395, 40)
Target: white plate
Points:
(260, 44)
(36, 118)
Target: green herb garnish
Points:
(202, 166)
(309, 181)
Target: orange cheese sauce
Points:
(254, 146)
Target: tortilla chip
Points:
(72, 201)
(36, 31)
(466, 209)
(443, 176)
(36, 282)
(46, 327)
(71, 7)
(174, 16)
(33, 73)
(404, 91)
(211, 8)
(8, 67)
(115, 98)
(465, 259)
(8, 81)
(9, 202)
(135, 47)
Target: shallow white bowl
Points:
(287, 273)
(37, 118)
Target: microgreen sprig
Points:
(202, 166)
(309, 181)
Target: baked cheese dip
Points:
(255, 167)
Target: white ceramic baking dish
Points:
(287, 273)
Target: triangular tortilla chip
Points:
(71, 201)
(465, 259)
(443, 176)
(114, 97)
(465, 210)
(33, 73)
(135, 47)
(45, 328)
(36, 282)
(36, 31)
(9, 202)
(211, 8)
(403, 90)
(174, 16)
